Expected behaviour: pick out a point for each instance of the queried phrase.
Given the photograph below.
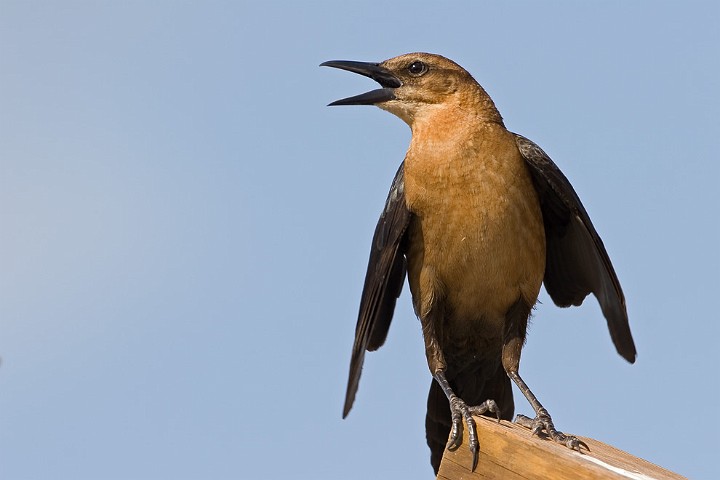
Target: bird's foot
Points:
(460, 411)
(543, 422)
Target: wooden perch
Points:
(509, 451)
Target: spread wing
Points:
(577, 263)
(383, 282)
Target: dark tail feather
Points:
(437, 424)
(473, 389)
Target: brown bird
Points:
(477, 217)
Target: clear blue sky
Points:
(184, 230)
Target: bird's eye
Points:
(417, 68)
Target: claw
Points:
(455, 438)
(575, 443)
(457, 428)
(486, 406)
(473, 441)
(570, 441)
(459, 412)
(474, 451)
(543, 422)
(523, 421)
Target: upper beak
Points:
(383, 76)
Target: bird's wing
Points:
(577, 263)
(383, 282)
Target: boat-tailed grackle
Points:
(477, 218)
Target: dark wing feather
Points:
(383, 282)
(577, 263)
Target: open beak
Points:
(383, 76)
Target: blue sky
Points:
(184, 230)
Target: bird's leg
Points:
(542, 420)
(514, 337)
(459, 412)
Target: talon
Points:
(457, 428)
(570, 441)
(454, 443)
(544, 422)
(523, 421)
(486, 406)
(474, 451)
(459, 411)
(576, 444)
(472, 434)
(455, 438)
(473, 441)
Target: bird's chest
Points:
(477, 242)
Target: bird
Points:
(477, 219)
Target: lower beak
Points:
(383, 76)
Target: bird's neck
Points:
(459, 115)
(452, 123)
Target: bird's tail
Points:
(473, 388)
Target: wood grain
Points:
(509, 451)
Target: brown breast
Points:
(477, 243)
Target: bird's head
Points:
(415, 84)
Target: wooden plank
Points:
(509, 451)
